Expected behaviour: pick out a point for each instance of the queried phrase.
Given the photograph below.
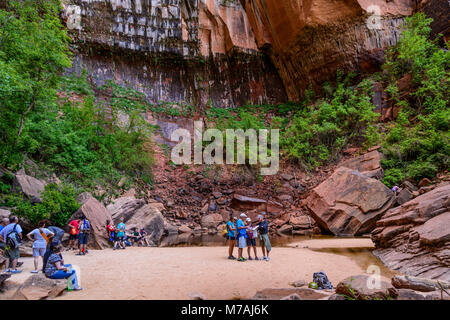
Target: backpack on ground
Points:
(322, 280)
(13, 239)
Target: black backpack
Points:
(322, 280)
(13, 239)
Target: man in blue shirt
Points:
(231, 228)
(241, 236)
(11, 254)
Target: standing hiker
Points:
(11, 236)
(231, 236)
(120, 234)
(40, 237)
(251, 239)
(241, 236)
(84, 228)
(263, 228)
(73, 233)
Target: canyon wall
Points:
(309, 40)
(199, 52)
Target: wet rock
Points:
(29, 186)
(301, 222)
(348, 203)
(358, 287)
(98, 216)
(414, 238)
(39, 287)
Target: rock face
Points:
(368, 164)
(98, 216)
(309, 40)
(124, 207)
(204, 49)
(415, 237)
(419, 284)
(349, 203)
(30, 186)
(359, 287)
(39, 287)
(150, 218)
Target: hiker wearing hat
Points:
(241, 236)
(252, 234)
(263, 228)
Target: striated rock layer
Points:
(310, 40)
(415, 237)
(184, 51)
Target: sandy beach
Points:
(179, 272)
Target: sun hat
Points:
(243, 215)
(260, 216)
(248, 219)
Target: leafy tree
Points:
(33, 52)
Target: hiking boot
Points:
(250, 258)
(16, 271)
(267, 259)
(256, 259)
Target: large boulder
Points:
(124, 208)
(29, 186)
(368, 164)
(358, 287)
(39, 287)
(98, 216)
(419, 284)
(349, 203)
(150, 218)
(415, 237)
(4, 213)
(212, 220)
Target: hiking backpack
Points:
(85, 226)
(225, 231)
(322, 280)
(12, 238)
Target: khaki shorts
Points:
(12, 254)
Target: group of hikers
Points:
(243, 233)
(46, 244)
(121, 239)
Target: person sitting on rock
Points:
(41, 238)
(143, 234)
(56, 269)
(135, 237)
